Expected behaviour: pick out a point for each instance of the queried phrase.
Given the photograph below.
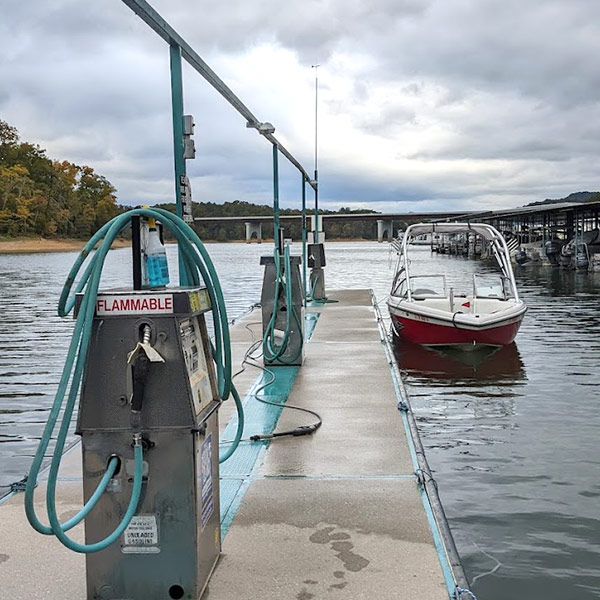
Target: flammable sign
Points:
(132, 304)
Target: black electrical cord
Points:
(251, 359)
(297, 431)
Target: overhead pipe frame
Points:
(179, 49)
(153, 19)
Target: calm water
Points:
(512, 437)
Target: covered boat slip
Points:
(338, 514)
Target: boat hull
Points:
(426, 331)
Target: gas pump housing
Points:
(173, 542)
(294, 354)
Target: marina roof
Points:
(538, 208)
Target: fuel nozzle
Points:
(139, 360)
(141, 368)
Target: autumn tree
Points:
(45, 197)
(8, 134)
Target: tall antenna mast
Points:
(316, 68)
(316, 180)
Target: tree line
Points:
(51, 198)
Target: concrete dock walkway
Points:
(337, 514)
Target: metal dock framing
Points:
(338, 514)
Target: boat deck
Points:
(337, 514)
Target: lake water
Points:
(512, 437)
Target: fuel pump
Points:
(282, 309)
(149, 371)
(151, 385)
(316, 262)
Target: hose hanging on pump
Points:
(196, 264)
(271, 350)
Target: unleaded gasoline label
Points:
(141, 536)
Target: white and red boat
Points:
(424, 310)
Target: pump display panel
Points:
(195, 362)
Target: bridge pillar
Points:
(310, 234)
(385, 227)
(253, 229)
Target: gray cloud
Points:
(466, 102)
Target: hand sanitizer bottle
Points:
(157, 266)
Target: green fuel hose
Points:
(197, 265)
(273, 351)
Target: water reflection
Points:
(559, 282)
(485, 363)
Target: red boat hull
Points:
(433, 334)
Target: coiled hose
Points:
(196, 266)
(271, 350)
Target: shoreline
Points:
(45, 245)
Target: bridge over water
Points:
(385, 221)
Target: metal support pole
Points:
(304, 240)
(316, 231)
(316, 182)
(136, 250)
(178, 144)
(276, 236)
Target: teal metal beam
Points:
(316, 180)
(276, 199)
(177, 106)
(304, 240)
(178, 143)
(316, 188)
(165, 31)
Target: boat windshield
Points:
(428, 286)
(492, 286)
(484, 239)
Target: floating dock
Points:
(341, 513)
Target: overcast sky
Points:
(423, 104)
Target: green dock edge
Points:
(240, 469)
(454, 591)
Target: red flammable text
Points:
(161, 303)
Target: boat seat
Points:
(422, 293)
(488, 306)
(440, 303)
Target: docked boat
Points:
(424, 310)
